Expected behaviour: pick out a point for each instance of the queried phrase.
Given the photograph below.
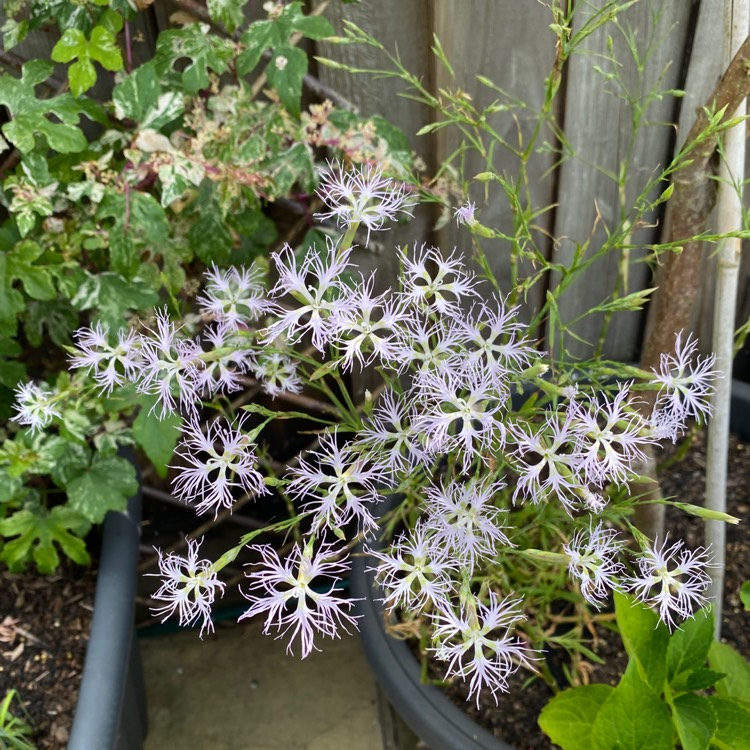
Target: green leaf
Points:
(105, 485)
(227, 12)
(111, 296)
(695, 721)
(285, 72)
(36, 280)
(736, 684)
(633, 717)
(569, 717)
(205, 52)
(733, 723)
(698, 679)
(140, 98)
(56, 316)
(645, 638)
(256, 40)
(103, 48)
(72, 44)
(157, 437)
(745, 595)
(688, 646)
(37, 534)
(81, 76)
(29, 115)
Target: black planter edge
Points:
(111, 709)
(425, 708)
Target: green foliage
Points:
(104, 228)
(661, 700)
(14, 729)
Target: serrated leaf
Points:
(285, 72)
(688, 646)
(103, 48)
(569, 717)
(645, 639)
(70, 45)
(698, 679)
(38, 533)
(695, 721)
(736, 684)
(733, 723)
(255, 41)
(71, 462)
(36, 280)
(634, 717)
(105, 485)
(157, 437)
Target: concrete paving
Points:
(238, 690)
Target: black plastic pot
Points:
(425, 708)
(111, 709)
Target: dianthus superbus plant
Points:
(504, 478)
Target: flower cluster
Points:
(444, 434)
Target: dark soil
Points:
(44, 627)
(515, 718)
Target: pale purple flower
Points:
(170, 367)
(423, 344)
(189, 587)
(611, 438)
(365, 326)
(362, 196)
(35, 407)
(464, 214)
(432, 283)
(338, 485)
(316, 286)
(414, 570)
(546, 461)
(464, 519)
(687, 387)
(218, 464)
(389, 437)
(294, 600)
(111, 365)
(592, 560)
(478, 645)
(234, 296)
(672, 580)
(495, 339)
(459, 411)
(224, 364)
(277, 372)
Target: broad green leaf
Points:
(205, 53)
(111, 296)
(255, 41)
(72, 44)
(103, 48)
(733, 723)
(81, 76)
(227, 12)
(38, 533)
(698, 679)
(569, 717)
(688, 646)
(56, 316)
(695, 721)
(633, 717)
(645, 638)
(29, 115)
(36, 280)
(745, 595)
(157, 437)
(105, 485)
(736, 684)
(285, 72)
(9, 486)
(136, 93)
(71, 463)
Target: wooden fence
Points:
(510, 42)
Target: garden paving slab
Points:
(238, 690)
